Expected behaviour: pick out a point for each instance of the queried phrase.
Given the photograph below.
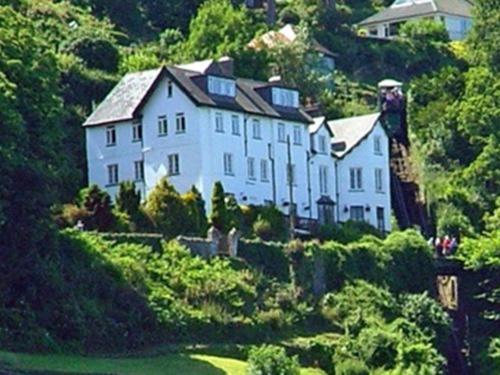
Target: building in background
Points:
(455, 14)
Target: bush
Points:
(98, 205)
(271, 360)
(351, 367)
(219, 217)
(263, 229)
(165, 207)
(268, 257)
(348, 232)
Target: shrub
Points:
(98, 205)
(409, 252)
(271, 360)
(165, 207)
(268, 257)
(128, 198)
(351, 367)
(235, 215)
(348, 232)
(195, 206)
(263, 229)
(219, 216)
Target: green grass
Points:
(175, 364)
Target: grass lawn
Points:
(175, 364)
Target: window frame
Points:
(180, 123)
(379, 180)
(358, 209)
(377, 145)
(110, 136)
(297, 135)
(162, 126)
(113, 174)
(251, 168)
(356, 176)
(137, 131)
(170, 89)
(174, 168)
(235, 125)
(323, 179)
(281, 132)
(139, 170)
(256, 129)
(219, 122)
(322, 144)
(228, 164)
(264, 170)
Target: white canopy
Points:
(389, 83)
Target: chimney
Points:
(226, 65)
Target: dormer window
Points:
(285, 97)
(221, 86)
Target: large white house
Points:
(198, 124)
(455, 14)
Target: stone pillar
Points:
(233, 239)
(214, 236)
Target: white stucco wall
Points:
(364, 156)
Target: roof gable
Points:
(351, 132)
(123, 101)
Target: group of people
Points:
(445, 246)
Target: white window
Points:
(235, 124)
(291, 175)
(139, 170)
(264, 172)
(170, 89)
(281, 132)
(221, 86)
(251, 168)
(322, 144)
(377, 146)
(219, 122)
(228, 164)
(297, 135)
(379, 187)
(256, 129)
(356, 178)
(136, 131)
(110, 136)
(180, 123)
(380, 219)
(162, 125)
(173, 164)
(323, 180)
(285, 97)
(357, 213)
(112, 174)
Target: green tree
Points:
(219, 216)
(195, 206)
(128, 198)
(97, 204)
(165, 207)
(270, 360)
(218, 29)
(235, 215)
(31, 166)
(484, 38)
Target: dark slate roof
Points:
(454, 7)
(129, 95)
(349, 132)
